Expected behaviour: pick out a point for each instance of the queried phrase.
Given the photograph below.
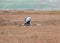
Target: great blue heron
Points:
(27, 20)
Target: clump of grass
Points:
(50, 22)
(5, 11)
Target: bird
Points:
(27, 20)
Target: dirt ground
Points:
(45, 28)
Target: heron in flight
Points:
(27, 20)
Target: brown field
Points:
(45, 27)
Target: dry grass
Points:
(12, 30)
(30, 12)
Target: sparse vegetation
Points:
(12, 31)
(30, 12)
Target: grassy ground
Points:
(29, 12)
(45, 27)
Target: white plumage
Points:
(27, 19)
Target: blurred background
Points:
(30, 4)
